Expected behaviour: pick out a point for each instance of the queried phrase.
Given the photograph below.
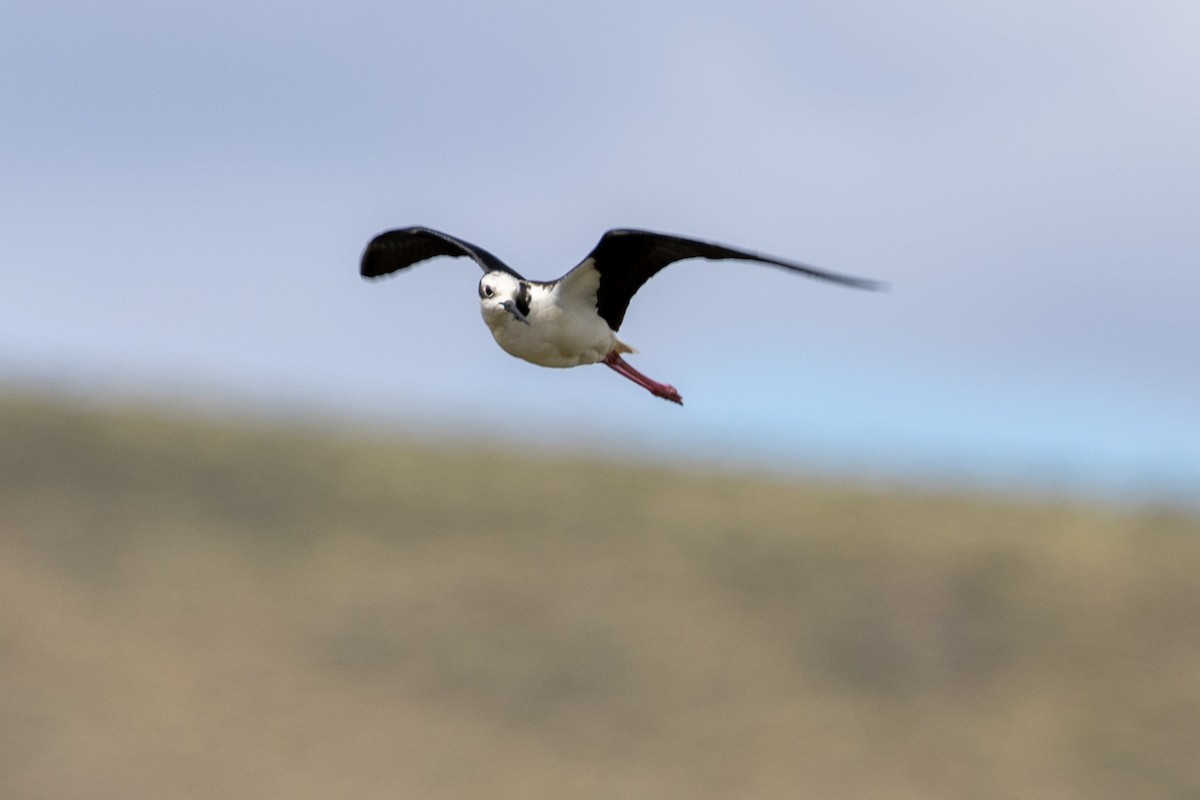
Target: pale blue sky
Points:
(186, 192)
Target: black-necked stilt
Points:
(573, 320)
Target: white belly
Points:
(552, 338)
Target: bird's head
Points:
(501, 293)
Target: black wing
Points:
(402, 248)
(626, 259)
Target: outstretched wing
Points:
(626, 259)
(404, 247)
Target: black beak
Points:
(511, 307)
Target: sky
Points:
(187, 190)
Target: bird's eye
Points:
(487, 291)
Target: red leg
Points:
(621, 366)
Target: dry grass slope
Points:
(197, 609)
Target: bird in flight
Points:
(573, 320)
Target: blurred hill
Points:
(192, 608)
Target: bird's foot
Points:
(667, 392)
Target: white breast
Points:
(562, 332)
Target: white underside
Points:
(563, 330)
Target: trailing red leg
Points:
(663, 390)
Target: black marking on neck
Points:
(522, 299)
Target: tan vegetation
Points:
(204, 609)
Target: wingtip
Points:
(374, 262)
(367, 269)
(370, 270)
